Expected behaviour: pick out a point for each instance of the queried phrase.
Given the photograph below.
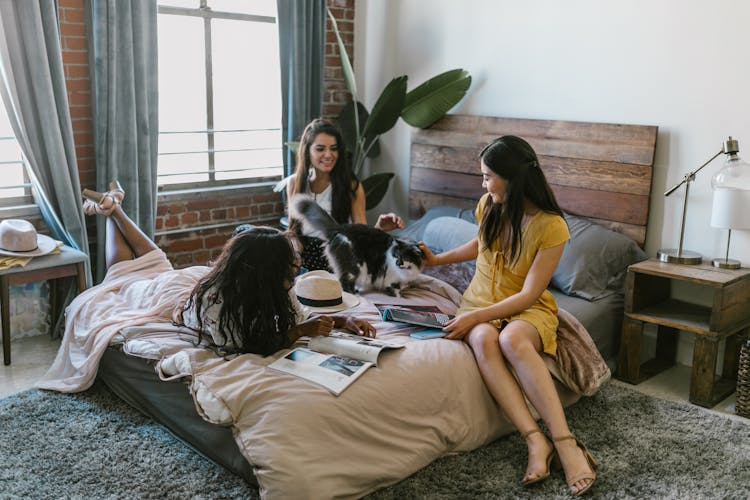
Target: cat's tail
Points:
(315, 220)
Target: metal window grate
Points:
(210, 159)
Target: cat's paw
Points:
(393, 290)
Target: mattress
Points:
(135, 381)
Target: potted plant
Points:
(420, 107)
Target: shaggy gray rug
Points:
(92, 445)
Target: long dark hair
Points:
(249, 281)
(344, 183)
(514, 160)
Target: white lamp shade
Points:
(731, 209)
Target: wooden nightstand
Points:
(69, 262)
(648, 300)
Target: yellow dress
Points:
(496, 279)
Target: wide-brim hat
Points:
(320, 291)
(18, 238)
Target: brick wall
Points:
(76, 64)
(190, 228)
(335, 94)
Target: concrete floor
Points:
(31, 356)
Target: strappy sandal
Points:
(580, 477)
(526, 481)
(117, 192)
(94, 203)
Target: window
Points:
(15, 187)
(219, 93)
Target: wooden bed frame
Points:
(598, 170)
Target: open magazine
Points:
(430, 316)
(334, 362)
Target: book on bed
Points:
(333, 362)
(430, 316)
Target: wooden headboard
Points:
(597, 170)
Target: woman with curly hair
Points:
(242, 303)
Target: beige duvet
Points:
(420, 403)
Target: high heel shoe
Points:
(580, 477)
(552, 456)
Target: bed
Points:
(293, 439)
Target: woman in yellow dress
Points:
(507, 315)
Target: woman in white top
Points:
(323, 171)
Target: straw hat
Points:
(320, 291)
(18, 238)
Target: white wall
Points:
(679, 64)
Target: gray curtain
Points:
(122, 40)
(35, 96)
(302, 57)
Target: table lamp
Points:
(731, 203)
(679, 255)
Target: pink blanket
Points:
(134, 293)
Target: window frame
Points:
(24, 204)
(204, 12)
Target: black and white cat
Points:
(362, 257)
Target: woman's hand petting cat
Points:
(389, 222)
(430, 259)
(355, 325)
(460, 326)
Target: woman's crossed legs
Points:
(124, 240)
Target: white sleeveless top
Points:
(324, 199)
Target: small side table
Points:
(648, 300)
(69, 262)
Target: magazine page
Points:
(333, 372)
(352, 346)
(429, 316)
(407, 307)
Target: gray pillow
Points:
(447, 233)
(595, 260)
(415, 229)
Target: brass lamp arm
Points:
(691, 175)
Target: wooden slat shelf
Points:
(701, 274)
(676, 314)
(648, 299)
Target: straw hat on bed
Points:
(321, 292)
(18, 238)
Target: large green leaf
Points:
(430, 101)
(375, 188)
(346, 65)
(349, 128)
(387, 109)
